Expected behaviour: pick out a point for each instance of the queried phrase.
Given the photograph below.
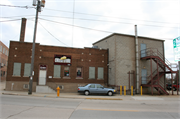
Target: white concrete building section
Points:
(44, 89)
(122, 57)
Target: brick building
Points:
(4, 50)
(82, 66)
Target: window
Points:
(100, 73)
(57, 71)
(17, 69)
(7, 52)
(91, 72)
(79, 72)
(0, 48)
(3, 50)
(99, 86)
(66, 71)
(27, 69)
(92, 86)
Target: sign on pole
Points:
(176, 46)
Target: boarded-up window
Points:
(91, 72)
(27, 69)
(57, 71)
(100, 73)
(17, 69)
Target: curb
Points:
(62, 96)
(103, 99)
(14, 94)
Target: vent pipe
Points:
(137, 60)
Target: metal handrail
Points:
(155, 52)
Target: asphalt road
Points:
(26, 107)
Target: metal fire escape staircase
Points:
(163, 67)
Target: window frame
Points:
(27, 69)
(79, 77)
(59, 71)
(16, 69)
(102, 73)
(94, 73)
(64, 72)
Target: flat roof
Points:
(127, 35)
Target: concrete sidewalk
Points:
(81, 96)
(68, 95)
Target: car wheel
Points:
(86, 92)
(110, 93)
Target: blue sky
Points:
(154, 18)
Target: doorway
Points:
(42, 75)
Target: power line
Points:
(76, 26)
(17, 16)
(91, 29)
(17, 6)
(52, 34)
(108, 16)
(107, 21)
(10, 20)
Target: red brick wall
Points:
(3, 59)
(21, 52)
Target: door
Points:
(42, 77)
(144, 76)
(143, 50)
(92, 88)
(100, 89)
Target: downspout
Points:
(165, 69)
(108, 67)
(137, 60)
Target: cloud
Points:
(128, 12)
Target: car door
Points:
(92, 88)
(100, 89)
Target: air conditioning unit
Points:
(26, 86)
(61, 87)
(2, 64)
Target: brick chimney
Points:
(23, 28)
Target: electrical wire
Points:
(17, 6)
(52, 34)
(17, 16)
(75, 25)
(87, 14)
(107, 16)
(107, 21)
(10, 20)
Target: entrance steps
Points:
(44, 89)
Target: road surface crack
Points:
(20, 112)
(75, 108)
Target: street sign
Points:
(176, 46)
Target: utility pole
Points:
(38, 9)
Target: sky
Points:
(80, 23)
